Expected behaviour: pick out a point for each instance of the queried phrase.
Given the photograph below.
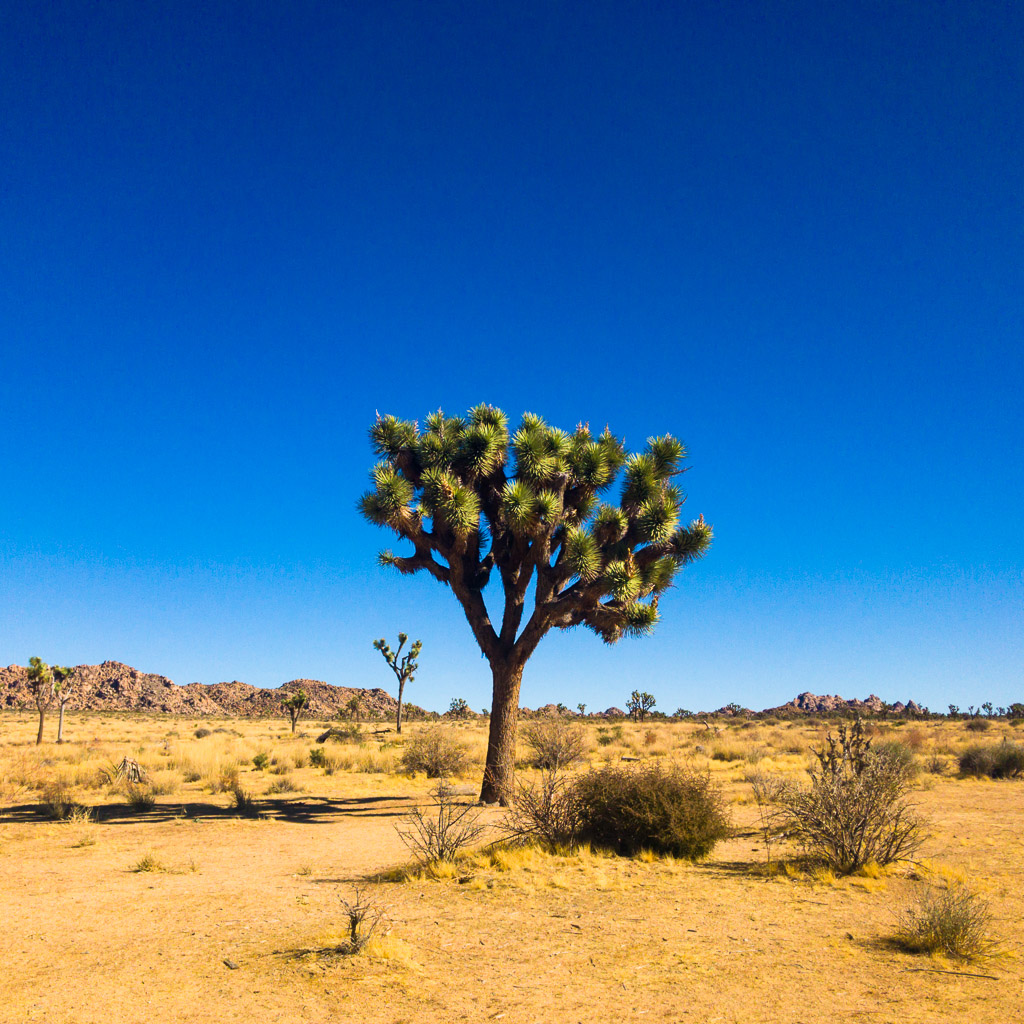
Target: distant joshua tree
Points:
(64, 690)
(582, 709)
(639, 705)
(458, 708)
(40, 679)
(404, 670)
(294, 704)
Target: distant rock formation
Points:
(113, 686)
(811, 704)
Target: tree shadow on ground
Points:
(308, 810)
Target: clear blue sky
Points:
(790, 233)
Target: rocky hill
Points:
(116, 687)
(811, 704)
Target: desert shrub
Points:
(544, 810)
(555, 743)
(261, 761)
(900, 756)
(243, 801)
(227, 780)
(437, 751)
(283, 785)
(441, 832)
(665, 809)
(201, 733)
(363, 917)
(954, 922)
(854, 810)
(604, 740)
(978, 725)
(723, 752)
(915, 738)
(147, 863)
(299, 759)
(347, 732)
(998, 761)
(140, 796)
(650, 738)
(318, 757)
(58, 800)
(936, 764)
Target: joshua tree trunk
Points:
(39, 735)
(398, 719)
(60, 724)
(499, 769)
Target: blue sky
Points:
(789, 233)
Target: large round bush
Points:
(666, 809)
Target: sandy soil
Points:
(585, 938)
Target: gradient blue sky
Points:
(790, 233)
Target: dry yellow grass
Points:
(504, 934)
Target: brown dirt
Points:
(588, 938)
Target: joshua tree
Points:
(40, 679)
(582, 709)
(459, 708)
(477, 501)
(293, 704)
(639, 704)
(63, 688)
(403, 669)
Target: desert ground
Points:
(164, 902)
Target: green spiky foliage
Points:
(404, 668)
(478, 500)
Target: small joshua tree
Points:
(63, 688)
(458, 708)
(639, 704)
(582, 709)
(404, 670)
(40, 679)
(294, 704)
(476, 500)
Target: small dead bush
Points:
(978, 725)
(545, 810)
(58, 800)
(441, 832)
(438, 752)
(555, 743)
(363, 916)
(664, 809)
(854, 810)
(953, 921)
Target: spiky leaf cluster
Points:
(474, 497)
